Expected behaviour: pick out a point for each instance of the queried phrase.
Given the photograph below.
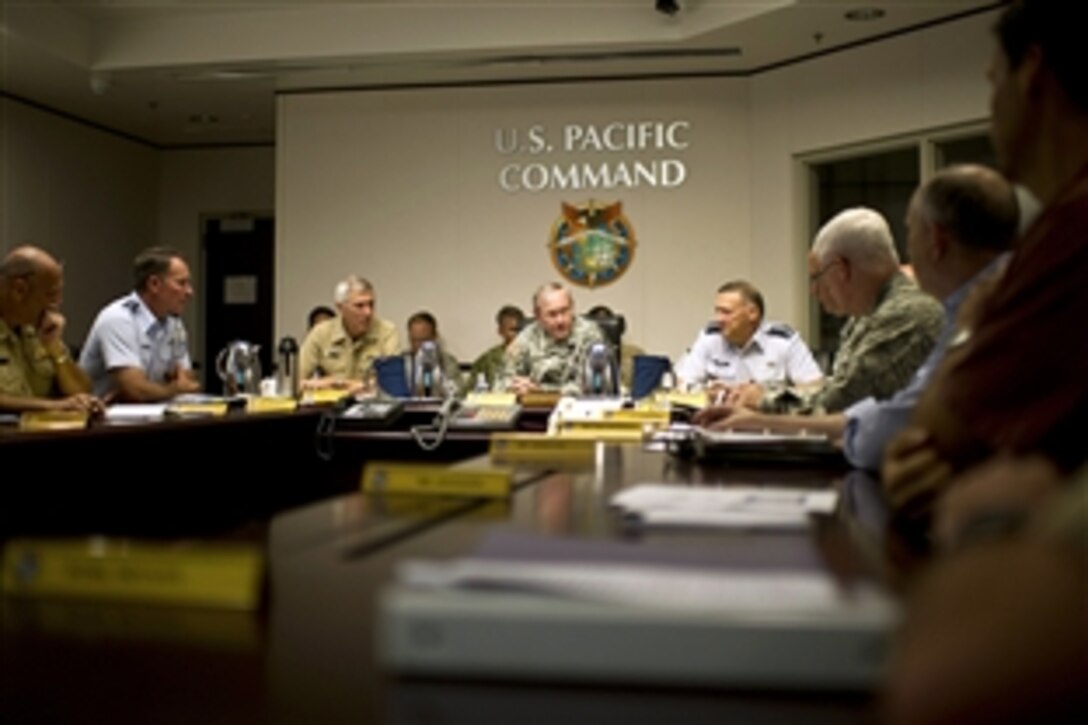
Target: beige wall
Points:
(915, 82)
(400, 186)
(95, 199)
(86, 196)
(198, 183)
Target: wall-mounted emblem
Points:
(592, 245)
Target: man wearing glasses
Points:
(959, 225)
(892, 326)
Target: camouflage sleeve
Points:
(515, 363)
(479, 365)
(452, 371)
(490, 364)
(883, 361)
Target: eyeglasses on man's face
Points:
(814, 277)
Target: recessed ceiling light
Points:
(864, 14)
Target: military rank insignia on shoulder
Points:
(780, 330)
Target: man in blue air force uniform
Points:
(137, 349)
(741, 347)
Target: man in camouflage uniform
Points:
(893, 325)
(509, 320)
(550, 352)
(959, 225)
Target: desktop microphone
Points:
(428, 370)
(598, 370)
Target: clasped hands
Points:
(331, 382)
(732, 407)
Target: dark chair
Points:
(612, 328)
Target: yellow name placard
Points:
(53, 420)
(538, 448)
(540, 399)
(325, 396)
(430, 479)
(600, 430)
(271, 405)
(504, 399)
(655, 417)
(225, 576)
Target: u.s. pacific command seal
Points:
(592, 245)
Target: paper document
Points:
(135, 411)
(737, 506)
(740, 593)
(750, 437)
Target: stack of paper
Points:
(737, 506)
(631, 622)
(664, 588)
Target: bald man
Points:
(36, 370)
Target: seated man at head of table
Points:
(892, 325)
(742, 347)
(340, 353)
(137, 349)
(423, 327)
(509, 320)
(959, 225)
(36, 370)
(550, 352)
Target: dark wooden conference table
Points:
(308, 655)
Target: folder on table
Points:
(580, 618)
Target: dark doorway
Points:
(239, 253)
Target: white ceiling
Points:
(198, 72)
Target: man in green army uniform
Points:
(550, 352)
(509, 320)
(892, 326)
(36, 370)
